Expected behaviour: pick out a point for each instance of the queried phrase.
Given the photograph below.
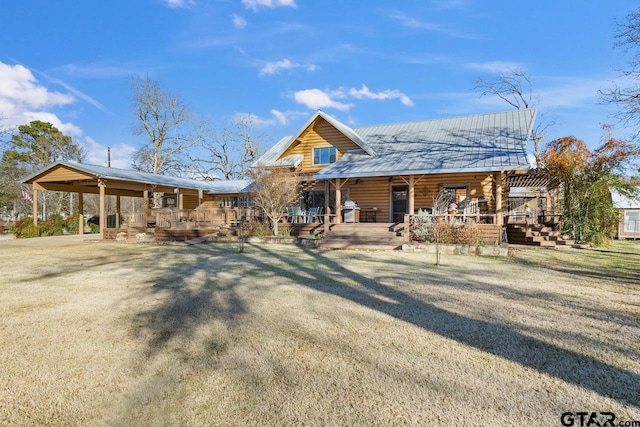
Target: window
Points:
(324, 155)
(632, 221)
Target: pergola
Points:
(91, 179)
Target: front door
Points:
(399, 202)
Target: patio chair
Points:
(314, 213)
(296, 213)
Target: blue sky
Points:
(365, 63)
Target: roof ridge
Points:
(444, 118)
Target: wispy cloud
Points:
(178, 4)
(96, 153)
(271, 68)
(256, 4)
(414, 23)
(102, 70)
(239, 22)
(365, 93)
(494, 67)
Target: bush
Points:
(24, 228)
(53, 226)
(429, 229)
(71, 223)
(258, 230)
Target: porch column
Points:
(180, 200)
(499, 212)
(117, 211)
(35, 206)
(81, 212)
(412, 195)
(145, 207)
(338, 201)
(103, 220)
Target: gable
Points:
(318, 134)
(62, 173)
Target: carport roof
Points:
(95, 172)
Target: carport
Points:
(91, 179)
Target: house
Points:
(393, 170)
(629, 225)
(363, 175)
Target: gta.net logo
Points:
(594, 419)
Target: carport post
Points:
(81, 212)
(103, 220)
(35, 206)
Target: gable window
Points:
(324, 155)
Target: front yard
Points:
(124, 334)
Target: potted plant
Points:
(453, 209)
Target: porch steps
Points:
(364, 236)
(537, 235)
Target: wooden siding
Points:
(375, 192)
(319, 134)
(61, 174)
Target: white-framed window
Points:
(632, 221)
(324, 155)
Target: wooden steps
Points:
(537, 235)
(366, 236)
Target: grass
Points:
(112, 334)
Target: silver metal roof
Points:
(478, 143)
(620, 201)
(216, 186)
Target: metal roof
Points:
(485, 142)
(621, 201)
(216, 186)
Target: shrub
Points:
(71, 223)
(53, 226)
(24, 228)
(429, 229)
(258, 230)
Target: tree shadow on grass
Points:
(494, 338)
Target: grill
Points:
(350, 211)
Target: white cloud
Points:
(176, 4)
(255, 4)
(284, 117)
(280, 117)
(408, 21)
(23, 99)
(365, 93)
(275, 67)
(254, 119)
(239, 22)
(96, 154)
(317, 99)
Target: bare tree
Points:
(516, 89)
(229, 152)
(167, 121)
(274, 190)
(626, 96)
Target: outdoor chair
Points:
(314, 213)
(296, 213)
